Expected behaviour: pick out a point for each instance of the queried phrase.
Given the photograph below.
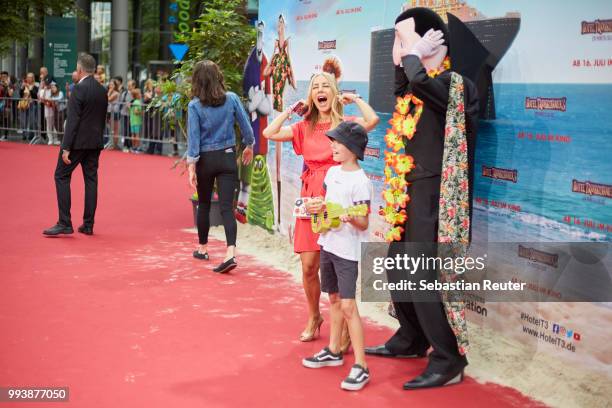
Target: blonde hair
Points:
(136, 94)
(101, 71)
(337, 108)
(149, 85)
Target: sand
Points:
(530, 367)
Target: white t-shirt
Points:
(347, 188)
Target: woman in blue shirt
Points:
(211, 152)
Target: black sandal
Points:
(198, 255)
(226, 266)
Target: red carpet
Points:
(127, 318)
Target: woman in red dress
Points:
(324, 111)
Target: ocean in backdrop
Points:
(545, 168)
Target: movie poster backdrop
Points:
(544, 151)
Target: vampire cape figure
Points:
(444, 139)
(256, 87)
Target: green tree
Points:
(149, 47)
(21, 20)
(221, 34)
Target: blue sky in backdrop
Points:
(547, 43)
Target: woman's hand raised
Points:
(348, 98)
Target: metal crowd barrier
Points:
(147, 131)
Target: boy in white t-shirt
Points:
(347, 185)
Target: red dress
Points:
(314, 146)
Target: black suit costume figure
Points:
(425, 324)
(83, 138)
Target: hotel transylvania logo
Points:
(327, 45)
(538, 256)
(500, 174)
(589, 188)
(546, 104)
(596, 27)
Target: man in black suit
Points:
(82, 144)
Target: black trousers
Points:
(125, 131)
(88, 159)
(219, 166)
(152, 132)
(423, 321)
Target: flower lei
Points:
(397, 165)
(407, 113)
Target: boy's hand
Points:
(346, 218)
(315, 205)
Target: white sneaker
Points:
(324, 358)
(357, 378)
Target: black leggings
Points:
(219, 165)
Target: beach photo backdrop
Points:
(543, 165)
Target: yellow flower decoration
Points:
(432, 73)
(388, 214)
(408, 127)
(395, 198)
(389, 197)
(394, 141)
(403, 123)
(418, 112)
(400, 217)
(388, 173)
(403, 105)
(398, 183)
(390, 158)
(446, 63)
(396, 217)
(396, 122)
(394, 234)
(403, 164)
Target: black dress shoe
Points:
(226, 266)
(58, 229)
(83, 229)
(382, 351)
(198, 255)
(429, 380)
